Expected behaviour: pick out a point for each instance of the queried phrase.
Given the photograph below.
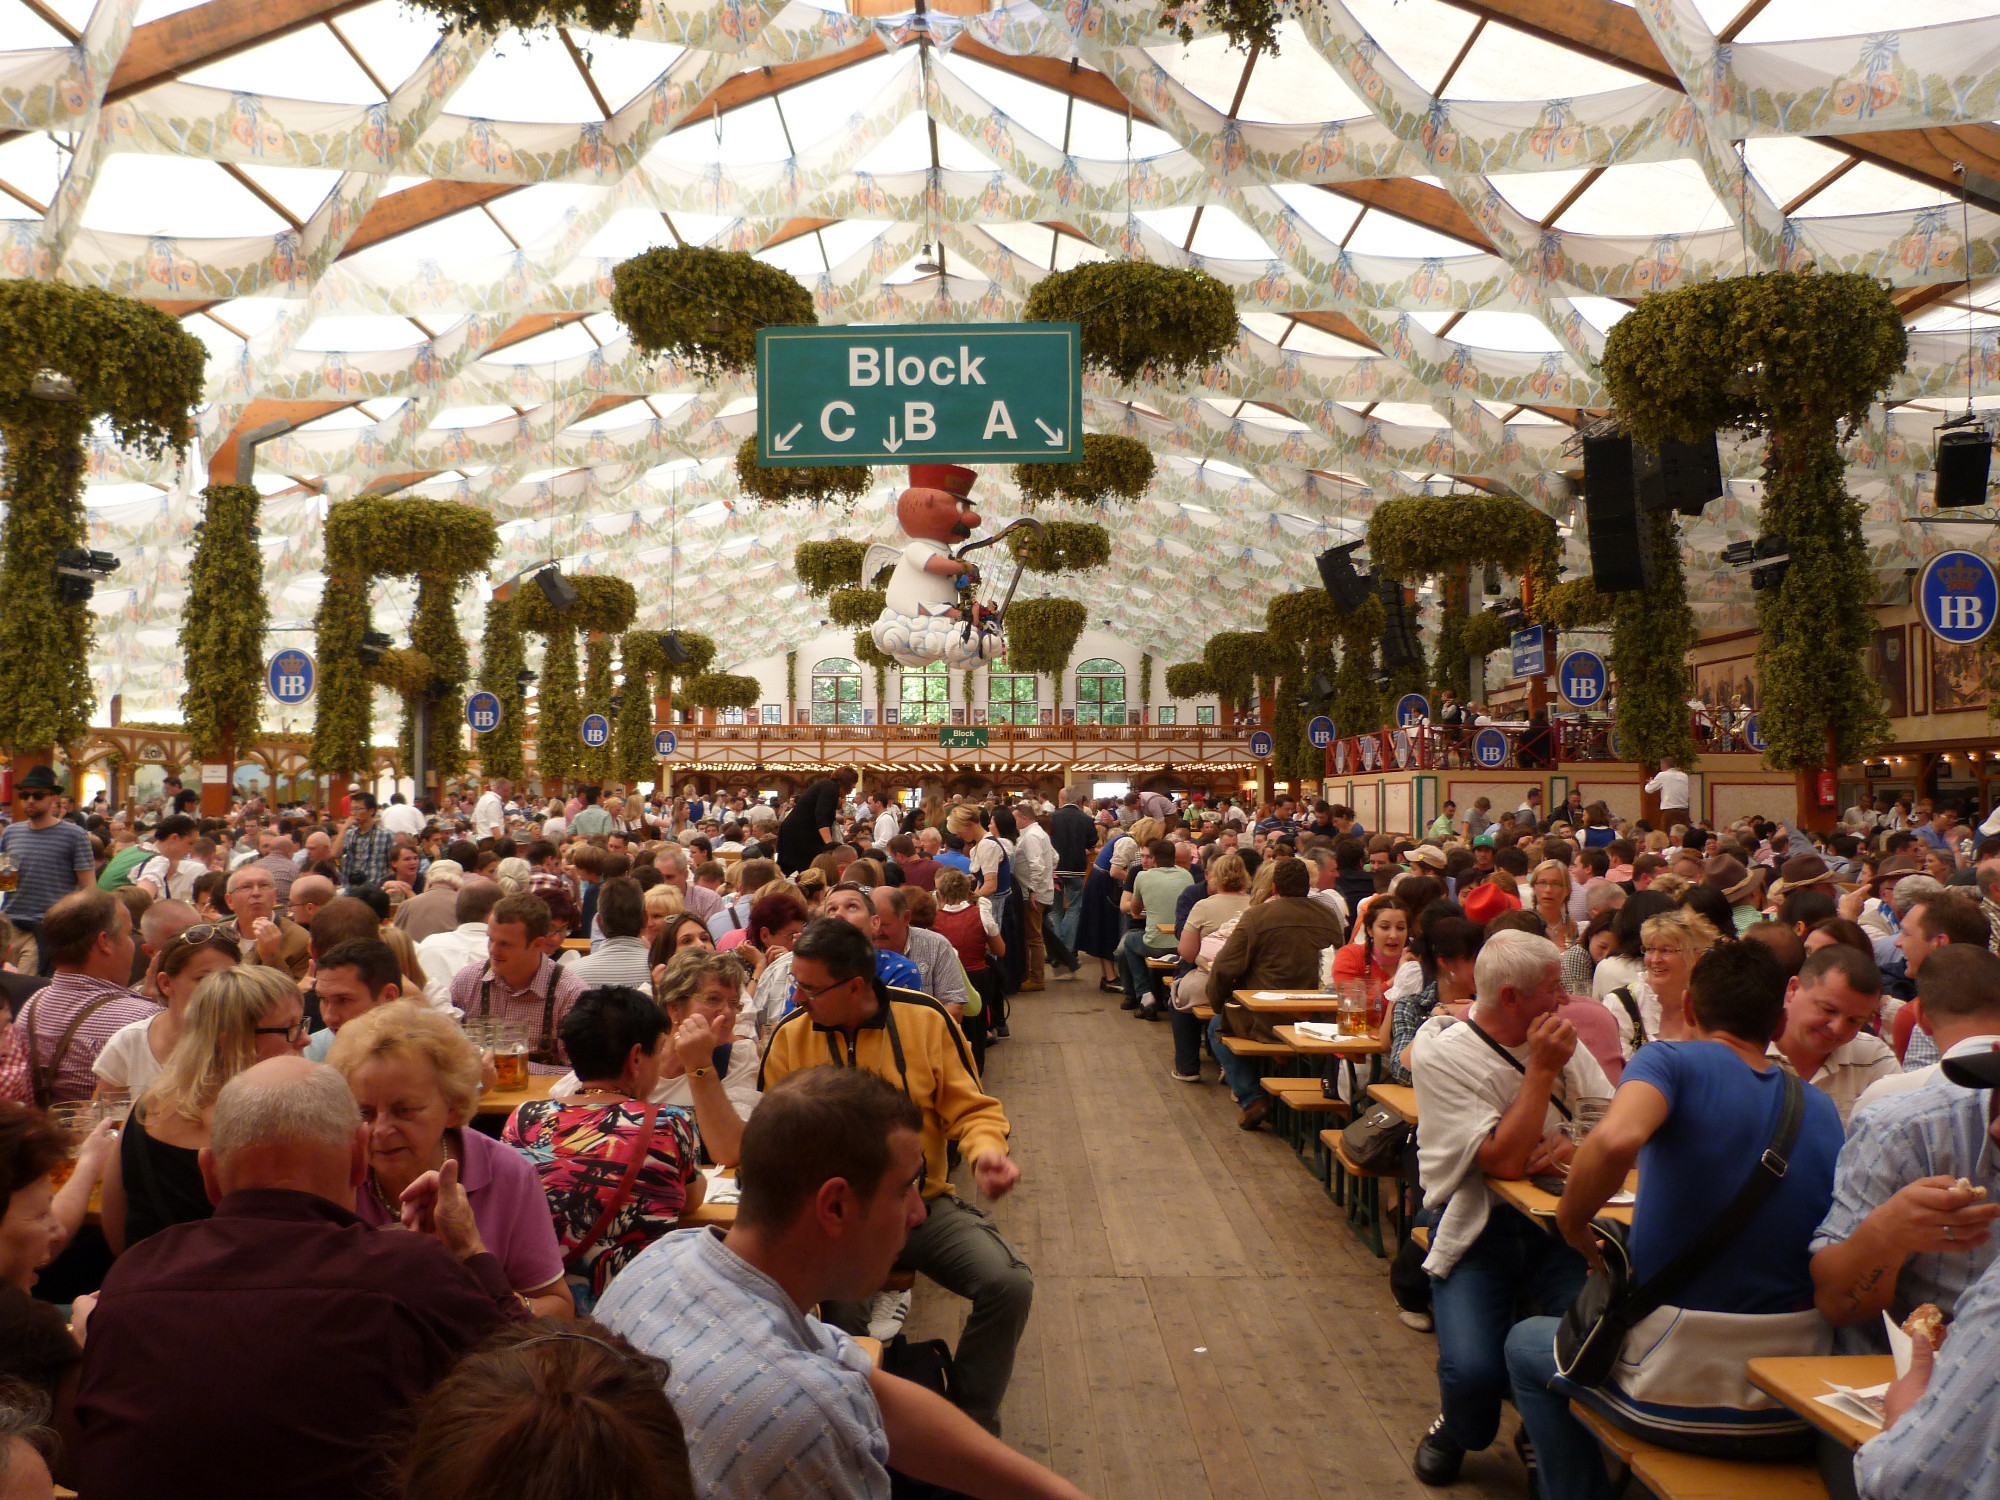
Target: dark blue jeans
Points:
(1242, 1076)
(1568, 1463)
(1064, 916)
(1512, 1270)
(1141, 984)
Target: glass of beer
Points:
(1584, 1115)
(10, 873)
(1353, 1015)
(75, 1121)
(510, 1057)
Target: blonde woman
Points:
(1651, 1008)
(237, 1017)
(1550, 885)
(417, 1079)
(663, 904)
(414, 982)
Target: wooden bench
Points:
(1396, 1096)
(1689, 1476)
(1357, 1190)
(1296, 1104)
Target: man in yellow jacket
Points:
(848, 1018)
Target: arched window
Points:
(836, 691)
(1010, 695)
(925, 695)
(1100, 692)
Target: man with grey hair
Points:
(436, 909)
(284, 1317)
(26, 1440)
(1494, 1091)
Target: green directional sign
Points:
(973, 393)
(962, 739)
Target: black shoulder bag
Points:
(1592, 1333)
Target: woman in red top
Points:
(975, 935)
(1377, 955)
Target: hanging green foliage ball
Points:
(1247, 23)
(1575, 605)
(822, 567)
(820, 484)
(1062, 547)
(1485, 633)
(1190, 679)
(1783, 349)
(704, 306)
(871, 655)
(1042, 634)
(129, 363)
(722, 690)
(1137, 316)
(605, 17)
(856, 606)
(1113, 467)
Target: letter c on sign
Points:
(826, 421)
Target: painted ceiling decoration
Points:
(1430, 212)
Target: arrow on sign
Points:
(784, 444)
(892, 442)
(1055, 433)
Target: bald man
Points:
(207, 1332)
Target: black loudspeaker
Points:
(1346, 587)
(674, 651)
(1964, 458)
(1678, 476)
(1617, 560)
(1400, 644)
(555, 588)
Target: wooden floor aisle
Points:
(1205, 1324)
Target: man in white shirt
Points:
(401, 818)
(1672, 785)
(887, 824)
(1825, 1003)
(1493, 1091)
(1035, 873)
(445, 954)
(489, 813)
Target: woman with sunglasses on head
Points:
(235, 1019)
(134, 1056)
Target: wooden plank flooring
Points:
(1205, 1324)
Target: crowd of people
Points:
(259, 1043)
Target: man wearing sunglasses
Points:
(52, 858)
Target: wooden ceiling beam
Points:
(1076, 81)
(202, 34)
(1417, 202)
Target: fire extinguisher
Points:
(1828, 796)
(6, 786)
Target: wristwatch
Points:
(701, 1072)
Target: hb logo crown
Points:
(1959, 578)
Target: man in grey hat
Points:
(51, 857)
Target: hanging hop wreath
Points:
(822, 567)
(1042, 634)
(1062, 547)
(1247, 23)
(1137, 316)
(223, 623)
(1301, 618)
(722, 690)
(856, 606)
(1423, 536)
(1112, 467)
(704, 306)
(132, 364)
(818, 484)
(605, 17)
(1190, 679)
(1237, 660)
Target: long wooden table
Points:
(1799, 1381)
(1519, 1193)
(1399, 1097)
(497, 1102)
(1289, 1002)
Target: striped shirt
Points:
(50, 859)
(1945, 1447)
(1939, 1130)
(775, 1404)
(48, 1013)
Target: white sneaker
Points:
(1422, 1322)
(886, 1314)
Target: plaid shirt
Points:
(364, 857)
(524, 1006)
(49, 1011)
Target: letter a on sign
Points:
(998, 421)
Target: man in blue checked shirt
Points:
(777, 1405)
(1942, 1415)
(365, 845)
(1901, 1230)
